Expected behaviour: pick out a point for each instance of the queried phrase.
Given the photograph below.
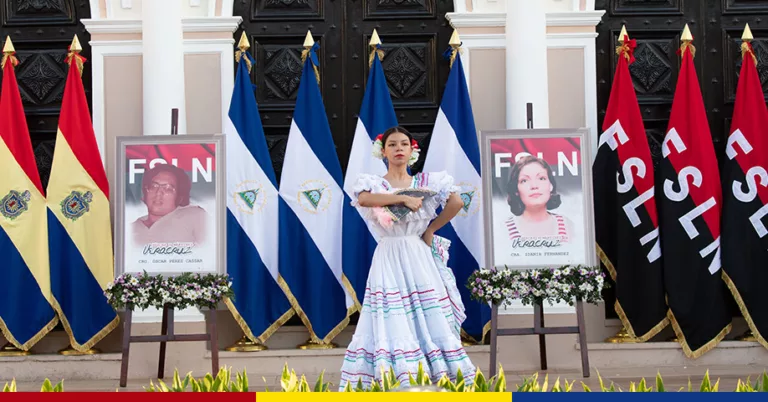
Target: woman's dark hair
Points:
(396, 129)
(183, 183)
(513, 198)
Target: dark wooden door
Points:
(414, 33)
(716, 26)
(41, 30)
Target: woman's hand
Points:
(413, 203)
(428, 236)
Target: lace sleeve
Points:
(442, 183)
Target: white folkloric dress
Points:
(412, 311)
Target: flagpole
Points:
(10, 350)
(244, 344)
(309, 43)
(74, 51)
(746, 38)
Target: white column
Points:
(163, 65)
(527, 63)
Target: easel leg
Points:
(494, 339)
(126, 348)
(214, 341)
(582, 338)
(163, 331)
(538, 322)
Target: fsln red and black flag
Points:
(626, 222)
(690, 203)
(745, 197)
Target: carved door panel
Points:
(716, 26)
(41, 31)
(413, 32)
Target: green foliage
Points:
(46, 387)
(291, 382)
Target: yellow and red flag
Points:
(79, 230)
(26, 315)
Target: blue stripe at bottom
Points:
(23, 307)
(258, 298)
(308, 276)
(80, 297)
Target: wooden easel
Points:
(538, 320)
(167, 335)
(166, 330)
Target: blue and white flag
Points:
(311, 205)
(376, 115)
(454, 148)
(259, 306)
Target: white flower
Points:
(557, 273)
(535, 274)
(110, 285)
(133, 281)
(567, 271)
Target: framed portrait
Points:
(170, 206)
(540, 210)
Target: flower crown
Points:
(378, 149)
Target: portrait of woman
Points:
(532, 195)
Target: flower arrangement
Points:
(187, 290)
(564, 284)
(378, 149)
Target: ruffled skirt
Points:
(411, 314)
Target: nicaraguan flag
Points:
(79, 232)
(26, 314)
(454, 148)
(376, 115)
(311, 205)
(259, 306)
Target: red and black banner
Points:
(690, 201)
(626, 224)
(745, 200)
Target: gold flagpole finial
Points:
(8, 51)
(244, 44)
(455, 39)
(623, 34)
(8, 48)
(686, 36)
(309, 41)
(74, 54)
(455, 44)
(75, 46)
(746, 47)
(375, 40)
(375, 43)
(747, 35)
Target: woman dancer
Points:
(412, 311)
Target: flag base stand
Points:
(747, 337)
(622, 336)
(245, 344)
(9, 350)
(70, 351)
(167, 334)
(314, 345)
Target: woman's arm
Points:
(452, 207)
(370, 200)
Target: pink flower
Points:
(385, 219)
